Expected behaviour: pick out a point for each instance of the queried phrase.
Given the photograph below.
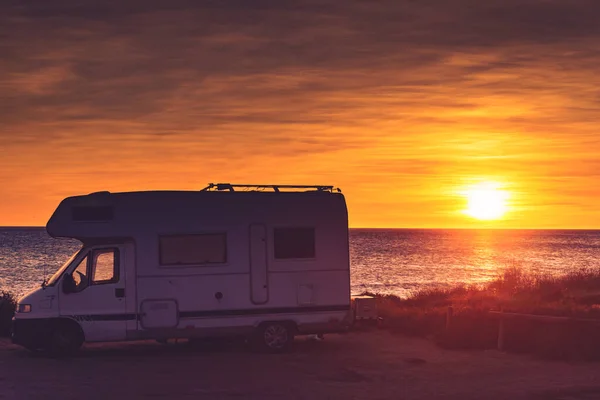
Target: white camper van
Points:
(262, 261)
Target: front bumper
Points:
(31, 333)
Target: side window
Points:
(105, 268)
(294, 243)
(80, 274)
(177, 250)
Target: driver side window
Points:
(80, 275)
(105, 266)
(100, 266)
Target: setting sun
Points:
(486, 201)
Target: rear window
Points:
(294, 242)
(210, 248)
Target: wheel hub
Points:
(276, 336)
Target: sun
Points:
(486, 201)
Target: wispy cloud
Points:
(379, 97)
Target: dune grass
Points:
(575, 295)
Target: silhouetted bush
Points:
(576, 294)
(8, 305)
(415, 322)
(469, 329)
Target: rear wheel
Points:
(66, 340)
(274, 337)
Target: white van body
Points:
(168, 264)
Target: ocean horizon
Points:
(397, 261)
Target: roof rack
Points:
(214, 187)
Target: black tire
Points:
(274, 337)
(66, 340)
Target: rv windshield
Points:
(58, 273)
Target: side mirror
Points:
(68, 284)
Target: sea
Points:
(387, 261)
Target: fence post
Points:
(501, 331)
(449, 314)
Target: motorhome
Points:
(266, 262)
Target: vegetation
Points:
(8, 305)
(575, 295)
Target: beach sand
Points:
(358, 365)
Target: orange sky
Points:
(400, 104)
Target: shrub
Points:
(469, 329)
(576, 294)
(8, 305)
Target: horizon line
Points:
(388, 228)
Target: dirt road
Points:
(368, 365)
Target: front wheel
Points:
(274, 337)
(65, 340)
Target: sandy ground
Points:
(362, 365)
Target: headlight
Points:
(24, 308)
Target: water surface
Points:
(394, 261)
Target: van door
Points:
(259, 282)
(98, 301)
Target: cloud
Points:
(433, 92)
